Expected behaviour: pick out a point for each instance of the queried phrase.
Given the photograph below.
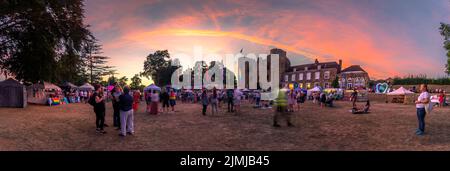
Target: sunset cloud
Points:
(387, 38)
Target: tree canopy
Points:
(445, 32)
(44, 40)
(157, 66)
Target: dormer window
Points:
(319, 67)
(306, 68)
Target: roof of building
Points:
(353, 68)
(314, 66)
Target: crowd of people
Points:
(125, 102)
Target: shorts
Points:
(172, 103)
(165, 103)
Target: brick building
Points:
(310, 75)
(353, 77)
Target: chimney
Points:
(317, 61)
(340, 65)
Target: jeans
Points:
(127, 122)
(99, 119)
(421, 118)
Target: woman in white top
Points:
(421, 104)
(237, 100)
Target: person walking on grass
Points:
(214, 99)
(126, 113)
(421, 104)
(205, 102)
(98, 101)
(281, 110)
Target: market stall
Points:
(40, 93)
(401, 95)
(12, 94)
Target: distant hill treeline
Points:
(420, 79)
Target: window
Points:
(349, 85)
(300, 76)
(327, 85)
(319, 67)
(293, 77)
(300, 85)
(295, 69)
(308, 85)
(306, 68)
(317, 75)
(326, 75)
(308, 76)
(286, 78)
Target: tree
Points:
(123, 80)
(42, 39)
(335, 83)
(95, 64)
(445, 32)
(157, 66)
(136, 82)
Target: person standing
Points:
(136, 100)
(441, 98)
(115, 94)
(99, 109)
(126, 113)
(291, 100)
(154, 103)
(237, 100)
(214, 99)
(172, 99)
(230, 99)
(205, 102)
(165, 101)
(281, 109)
(422, 102)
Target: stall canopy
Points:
(46, 86)
(152, 87)
(86, 87)
(69, 85)
(12, 94)
(400, 91)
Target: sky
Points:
(386, 37)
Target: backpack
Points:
(91, 100)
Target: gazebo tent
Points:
(12, 94)
(152, 87)
(68, 86)
(39, 92)
(401, 95)
(86, 87)
(401, 91)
